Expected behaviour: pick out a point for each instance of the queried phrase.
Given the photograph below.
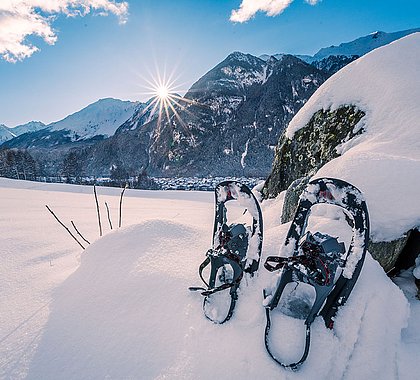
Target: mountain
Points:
(362, 45)
(101, 118)
(333, 58)
(95, 122)
(7, 133)
(228, 122)
(236, 113)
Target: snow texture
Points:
(383, 162)
(121, 308)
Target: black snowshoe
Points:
(319, 262)
(236, 250)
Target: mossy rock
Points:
(387, 252)
(311, 147)
(291, 198)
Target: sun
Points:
(165, 102)
(162, 92)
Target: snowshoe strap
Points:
(321, 275)
(293, 366)
(222, 287)
(222, 258)
(281, 262)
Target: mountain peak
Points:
(363, 45)
(357, 47)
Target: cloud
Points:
(249, 8)
(22, 18)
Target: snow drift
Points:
(127, 313)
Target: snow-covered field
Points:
(121, 308)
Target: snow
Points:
(244, 154)
(416, 271)
(121, 308)
(383, 162)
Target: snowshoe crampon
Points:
(235, 252)
(319, 272)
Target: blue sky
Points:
(96, 57)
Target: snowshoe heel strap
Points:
(216, 262)
(223, 286)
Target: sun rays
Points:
(165, 105)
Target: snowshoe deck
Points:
(320, 260)
(236, 250)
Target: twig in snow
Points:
(59, 221)
(78, 232)
(121, 198)
(97, 209)
(109, 218)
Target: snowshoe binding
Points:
(236, 250)
(318, 262)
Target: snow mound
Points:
(383, 162)
(127, 313)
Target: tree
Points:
(72, 168)
(17, 163)
(119, 175)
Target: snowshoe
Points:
(318, 262)
(236, 250)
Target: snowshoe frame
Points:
(218, 255)
(329, 296)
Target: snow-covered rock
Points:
(384, 160)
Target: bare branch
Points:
(109, 218)
(97, 209)
(78, 232)
(121, 199)
(62, 224)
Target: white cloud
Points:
(249, 8)
(22, 18)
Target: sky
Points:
(58, 56)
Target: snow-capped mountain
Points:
(229, 123)
(7, 133)
(231, 120)
(95, 122)
(362, 45)
(333, 58)
(100, 118)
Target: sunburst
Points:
(164, 103)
